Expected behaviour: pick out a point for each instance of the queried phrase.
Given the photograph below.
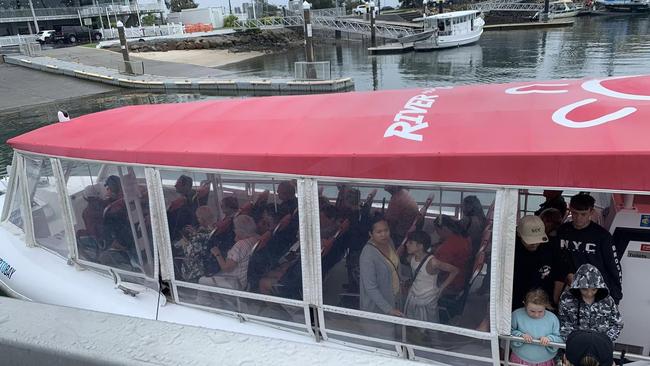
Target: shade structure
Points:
(591, 133)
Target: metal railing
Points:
(289, 21)
(14, 15)
(361, 27)
(136, 67)
(330, 23)
(152, 31)
(31, 49)
(16, 40)
(320, 70)
(331, 12)
(508, 339)
(509, 5)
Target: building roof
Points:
(567, 133)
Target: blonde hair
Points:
(538, 297)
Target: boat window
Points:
(15, 214)
(373, 238)
(111, 215)
(231, 232)
(47, 214)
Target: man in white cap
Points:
(536, 262)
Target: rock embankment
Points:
(267, 41)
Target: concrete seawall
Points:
(174, 84)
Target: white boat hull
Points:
(447, 42)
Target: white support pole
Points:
(162, 248)
(66, 207)
(502, 265)
(10, 193)
(25, 207)
(31, 6)
(307, 246)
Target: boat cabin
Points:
(276, 216)
(453, 23)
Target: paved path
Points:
(20, 87)
(109, 59)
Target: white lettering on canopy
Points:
(410, 119)
(560, 116)
(519, 89)
(595, 86)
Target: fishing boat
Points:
(453, 29)
(251, 215)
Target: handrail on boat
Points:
(510, 338)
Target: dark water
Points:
(594, 46)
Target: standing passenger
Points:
(586, 305)
(422, 299)
(473, 221)
(456, 250)
(400, 214)
(379, 283)
(583, 241)
(534, 321)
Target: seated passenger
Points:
(422, 300)
(587, 305)
(195, 245)
(234, 264)
(180, 212)
(118, 237)
(287, 196)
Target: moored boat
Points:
(453, 29)
(154, 195)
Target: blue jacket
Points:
(547, 326)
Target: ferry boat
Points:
(453, 29)
(251, 215)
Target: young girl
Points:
(422, 299)
(533, 321)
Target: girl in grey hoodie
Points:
(586, 305)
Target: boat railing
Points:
(508, 339)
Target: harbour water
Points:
(594, 46)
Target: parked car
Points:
(45, 36)
(76, 33)
(361, 9)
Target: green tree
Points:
(149, 20)
(230, 21)
(178, 5)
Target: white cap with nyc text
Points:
(531, 230)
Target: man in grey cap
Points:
(588, 348)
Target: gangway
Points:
(506, 5)
(332, 23)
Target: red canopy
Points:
(567, 133)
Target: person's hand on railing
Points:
(544, 341)
(527, 338)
